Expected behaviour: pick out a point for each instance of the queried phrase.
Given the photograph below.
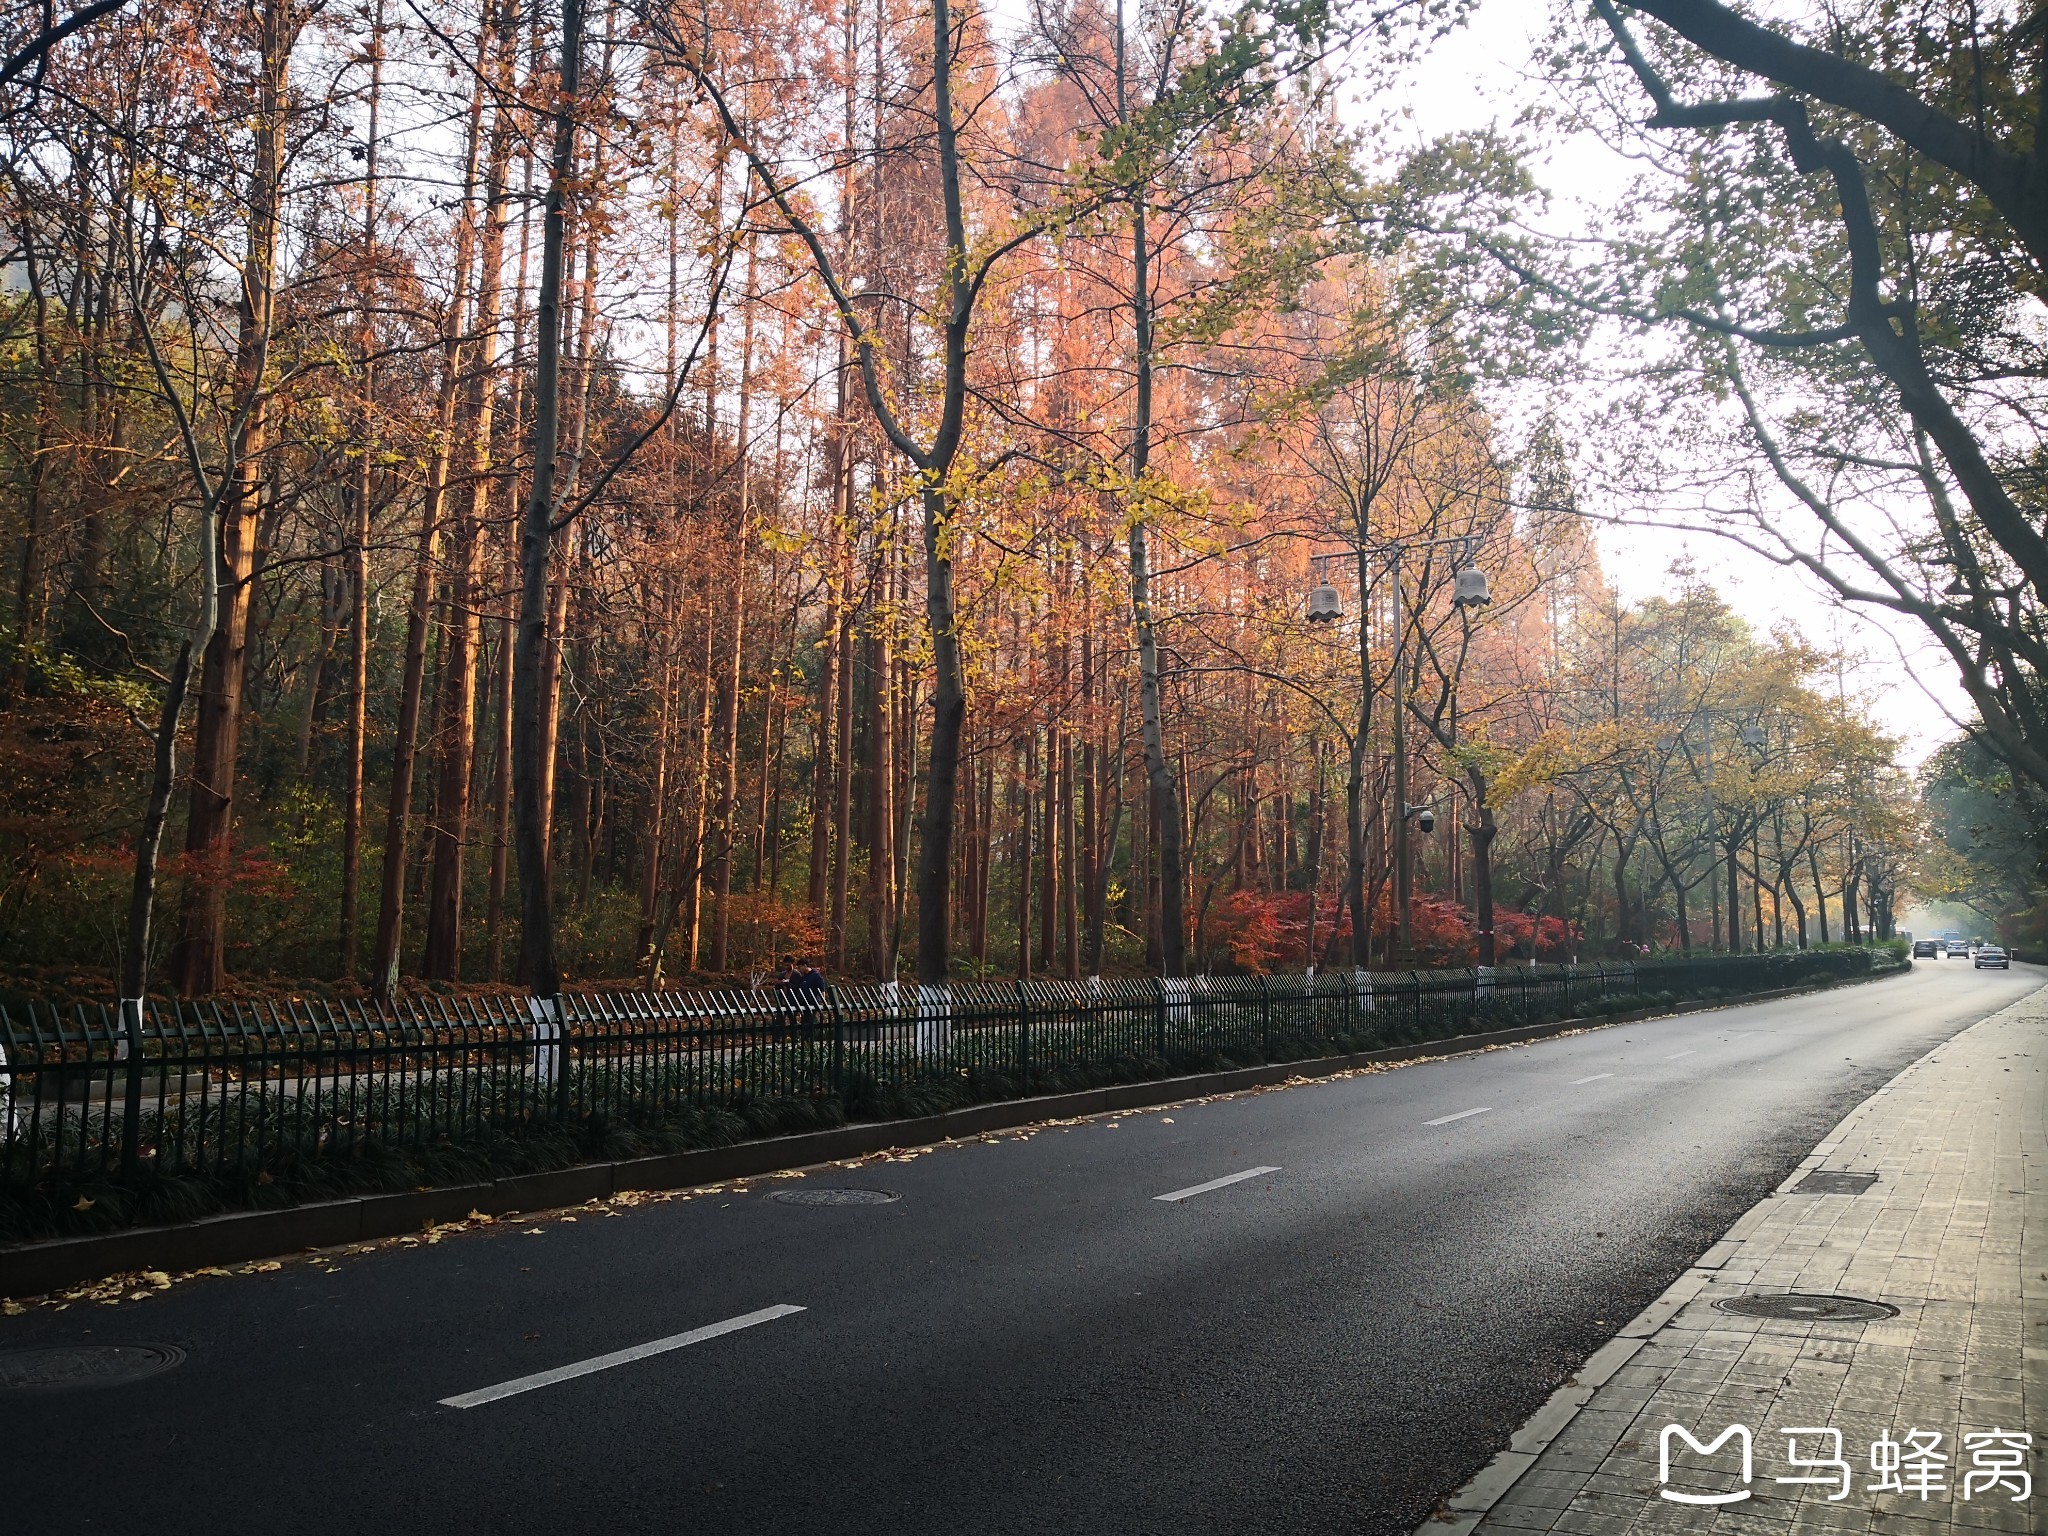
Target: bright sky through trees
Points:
(1485, 73)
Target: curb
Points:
(32, 1269)
(1466, 1508)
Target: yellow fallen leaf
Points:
(568, 1218)
(11, 1309)
(266, 1267)
(157, 1278)
(536, 1232)
(479, 1216)
(83, 1204)
(139, 1296)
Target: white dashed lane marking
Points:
(562, 1373)
(1203, 1189)
(1581, 1081)
(1463, 1114)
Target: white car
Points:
(1991, 954)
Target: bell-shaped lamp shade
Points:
(1473, 591)
(1325, 606)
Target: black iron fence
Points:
(256, 1102)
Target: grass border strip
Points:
(32, 1269)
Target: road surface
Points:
(1357, 1292)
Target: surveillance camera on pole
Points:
(1425, 818)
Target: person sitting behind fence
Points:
(806, 986)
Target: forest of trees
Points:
(511, 490)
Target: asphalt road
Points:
(1028, 1340)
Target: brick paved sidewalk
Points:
(1954, 1234)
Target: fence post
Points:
(550, 1048)
(1159, 1015)
(1265, 1018)
(838, 1068)
(1023, 1035)
(130, 1046)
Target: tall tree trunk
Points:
(817, 884)
(1049, 856)
(398, 815)
(690, 897)
(359, 553)
(1027, 783)
(1482, 831)
(462, 656)
(539, 969)
(1095, 861)
(1158, 765)
(200, 964)
(1069, 907)
(508, 622)
(842, 788)
(736, 646)
(878, 900)
(1317, 809)
(1734, 896)
(1820, 893)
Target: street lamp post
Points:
(1325, 606)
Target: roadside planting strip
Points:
(589, 1367)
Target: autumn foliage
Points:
(283, 262)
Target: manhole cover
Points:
(87, 1365)
(1807, 1309)
(1832, 1181)
(834, 1196)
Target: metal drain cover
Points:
(84, 1365)
(834, 1196)
(1799, 1308)
(1833, 1181)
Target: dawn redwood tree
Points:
(199, 963)
(934, 457)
